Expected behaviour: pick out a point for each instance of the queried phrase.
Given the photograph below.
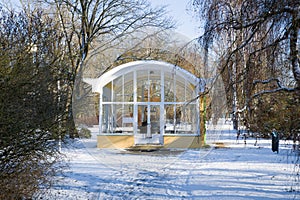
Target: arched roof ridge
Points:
(137, 65)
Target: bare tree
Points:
(91, 26)
(102, 22)
(260, 35)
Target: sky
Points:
(179, 10)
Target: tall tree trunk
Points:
(293, 48)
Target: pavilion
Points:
(148, 103)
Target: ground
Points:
(228, 169)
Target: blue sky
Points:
(178, 9)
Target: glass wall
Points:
(149, 101)
(117, 105)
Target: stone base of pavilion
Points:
(128, 142)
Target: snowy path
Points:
(237, 172)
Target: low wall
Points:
(115, 141)
(127, 141)
(182, 141)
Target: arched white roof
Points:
(116, 72)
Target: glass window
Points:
(155, 119)
(155, 85)
(118, 110)
(142, 119)
(125, 119)
(142, 86)
(117, 118)
(190, 92)
(169, 88)
(118, 89)
(169, 118)
(107, 92)
(128, 87)
(180, 118)
(107, 118)
(186, 118)
(180, 90)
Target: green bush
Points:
(85, 133)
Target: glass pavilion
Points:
(147, 101)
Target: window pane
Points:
(142, 85)
(190, 92)
(107, 92)
(118, 110)
(169, 119)
(155, 119)
(180, 90)
(187, 121)
(128, 87)
(142, 119)
(181, 119)
(117, 118)
(107, 119)
(124, 119)
(155, 85)
(169, 88)
(118, 89)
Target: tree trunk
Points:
(293, 49)
(202, 120)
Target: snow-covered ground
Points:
(235, 171)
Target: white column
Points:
(162, 109)
(100, 110)
(135, 107)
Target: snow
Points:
(228, 170)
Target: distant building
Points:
(148, 103)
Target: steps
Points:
(145, 147)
